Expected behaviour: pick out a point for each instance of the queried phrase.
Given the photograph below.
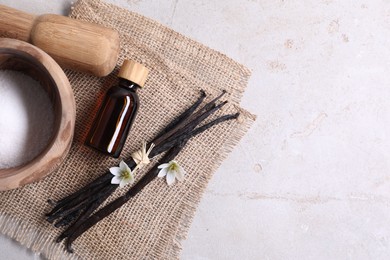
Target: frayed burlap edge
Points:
(32, 238)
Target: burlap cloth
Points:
(152, 224)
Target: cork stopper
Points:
(134, 72)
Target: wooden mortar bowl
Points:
(26, 58)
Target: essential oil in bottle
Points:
(118, 110)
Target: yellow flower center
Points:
(125, 174)
(173, 167)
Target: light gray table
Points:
(311, 180)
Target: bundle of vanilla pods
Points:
(77, 213)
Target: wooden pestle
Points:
(74, 44)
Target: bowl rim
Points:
(54, 153)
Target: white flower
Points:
(172, 170)
(122, 174)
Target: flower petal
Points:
(180, 174)
(170, 178)
(123, 166)
(162, 172)
(116, 180)
(122, 183)
(128, 169)
(126, 181)
(164, 165)
(115, 171)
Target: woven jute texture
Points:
(151, 225)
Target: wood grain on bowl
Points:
(26, 58)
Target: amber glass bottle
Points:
(118, 110)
